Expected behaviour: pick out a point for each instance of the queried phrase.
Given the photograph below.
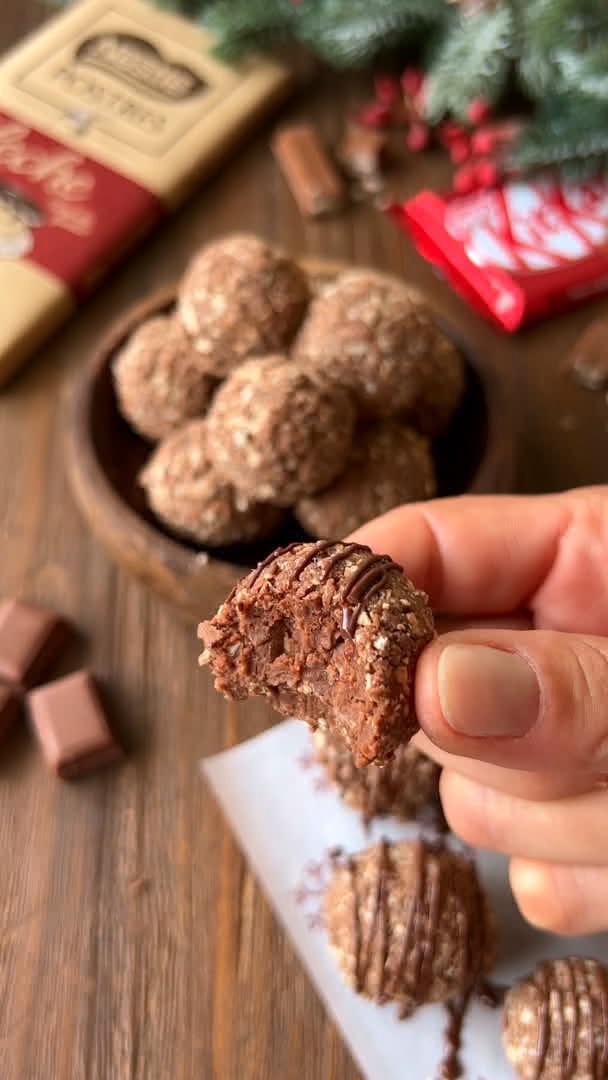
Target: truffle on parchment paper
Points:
(406, 788)
(555, 1022)
(409, 922)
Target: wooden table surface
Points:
(134, 940)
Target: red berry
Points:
(483, 141)
(418, 137)
(387, 89)
(374, 115)
(450, 131)
(460, 150)
(478, 111)
(412, 79)
(486, 173)
(464, 179)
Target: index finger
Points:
(474, 553)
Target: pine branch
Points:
(348, 33)
(244, 27)
(569, 130)
(473, 61)
(555, 37)
(345, 33)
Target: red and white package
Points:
(519, 251)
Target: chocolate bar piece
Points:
(361, 151)
(71, 726)
(9, 710)
(589, 358)
(31, 639)
(312, 179)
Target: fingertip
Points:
(541, 897)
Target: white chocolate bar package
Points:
(109, 117)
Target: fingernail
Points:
(485, 691)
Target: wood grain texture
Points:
(134, 941)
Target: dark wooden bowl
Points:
(104, 457)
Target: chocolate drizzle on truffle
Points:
(574, 999)
(369, 578)
(280, 634)
(420, 936)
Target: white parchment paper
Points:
(286, 818)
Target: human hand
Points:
(518, 717)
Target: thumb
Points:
(535, 699)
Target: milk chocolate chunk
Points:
(555, 1022)
(588, 361)
(310, 174)
(405, 788)
(409, 923)
(31, 640)
(330, 633)
(70, 723)
(9, 710)
(361, 151)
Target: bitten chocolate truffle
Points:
(239, 298)
(185, 491)
(330, 633)
(389, 464)
(408, 785)
(408, 922)
(278, 432)
(378, 337)
(555, 1024)
(158, 382)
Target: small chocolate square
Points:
(9, 710)
(31, 639)
(588, 360)
(71, 726)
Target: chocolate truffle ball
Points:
(158, 380)
(378, 336)
(278, 432)
(389, 464)
(406, 786)
(555, 1024)
(239, 298)
(408, 922)
(330, 633)
(185, 492)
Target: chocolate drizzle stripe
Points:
(603, 978)
(542, 1040)
(313, 551)
(569, 1043)
(419, 942)
(255, 574)
(568, 1002)
(344, 552)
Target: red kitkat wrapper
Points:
(518, 252)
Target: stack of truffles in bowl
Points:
(270, 393)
